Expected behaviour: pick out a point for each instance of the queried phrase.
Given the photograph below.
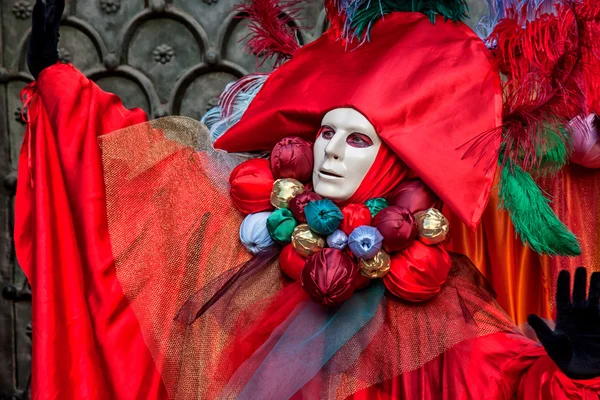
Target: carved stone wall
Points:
(169, 57)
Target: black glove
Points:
(574, 345)
(42, 51)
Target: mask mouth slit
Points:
(330, 174)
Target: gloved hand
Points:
(574, 345)
(42, 51)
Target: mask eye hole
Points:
(326, 132)
(359, 140)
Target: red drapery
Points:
(86, 341)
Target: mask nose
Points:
(336, 147)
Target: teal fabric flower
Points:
(323, 216)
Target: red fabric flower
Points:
(414, 195)
(293, 158)
(251, 185)
(297, 204)
(291, 262)
(397, 226)
(418, 273)
(330, 277)
(355, 215)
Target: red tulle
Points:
(418, 273)
(251, 186)
(330, 277)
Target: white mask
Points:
(344, 151)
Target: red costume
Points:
(116, 238)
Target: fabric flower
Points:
(397, 225)
(293, 158)
(323, 216)
(254, 234)
(355, 215)
(251, 185)
(291, 262)
(281, 225)
(284, 190)
(337, 240)
(376, 205)
(305, 241)
(419, 272)
(365, 242)
(330, 277)
(415, 196)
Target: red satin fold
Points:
(498, 366)
(384, 175)
(291, 262)
(87, 343)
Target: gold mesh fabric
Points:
(173, 230)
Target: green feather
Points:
(361, 16)
(532, 216)
(554, 152)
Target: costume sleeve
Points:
(87, 343)
(526, 370)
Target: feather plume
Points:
(272, 32)
(545, 82)
(527, 9)
(233, 103)
(352, 20)
(533, 219)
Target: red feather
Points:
(272, 33)
(549, 76)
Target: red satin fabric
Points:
(251, 186)
(418, 272)
(384, 175)
(427, 88)
(497, 366)
(291, 262)
(87, 343)
(292, 158)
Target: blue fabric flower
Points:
(365, 242)
(254, 234)
(337, 240)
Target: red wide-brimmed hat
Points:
(427, 88)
